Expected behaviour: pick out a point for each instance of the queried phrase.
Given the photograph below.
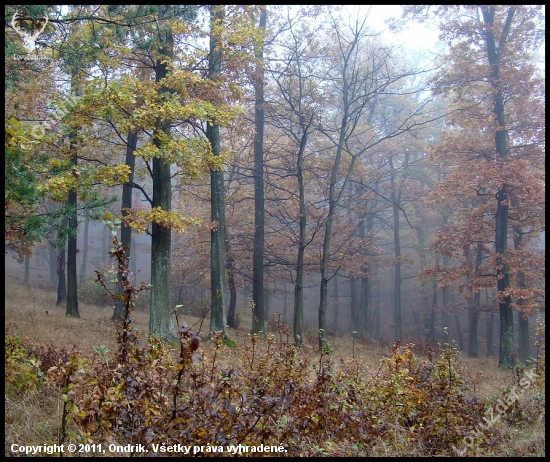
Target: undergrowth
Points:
(268, 393)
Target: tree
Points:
(29, 88)
(72, 227)
(364, 80)
(491, 79)
(72, 222)
(218, 313)
(258, 315)
(160, 319)
(126, 230)
(396, 193)
(58, 177)
(168, 110)
(293, 111)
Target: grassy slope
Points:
(31, 314)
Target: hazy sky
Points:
(412, 36)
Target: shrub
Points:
(267, 392)
(93, 293)
(22, 370)
(427, 400)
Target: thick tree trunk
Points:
(71, 309)
(258, 315)
(506, 348)
(160, 318)
(218, 312)
(72, 279)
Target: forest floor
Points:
(32, 315)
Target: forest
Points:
(302, 185)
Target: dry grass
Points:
(34, 316)
(33, 417)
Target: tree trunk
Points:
(218, 312)
(266, 301)
(524, 343)
(133, 254)
(377, 324)
(160, 318)
(427, 311)
(258, 315)
(71, 309)
(336, 304)
(61, 285)
(82, 277)
(285, 304)
(364, 307)
(506, 348)
(395, 198)
(523, 320)
(473, 312)
(299, 285)
(105, 244)
(27, 271)
(364, 312)
(489, 334)
(125, 230)
(433, 333)
(333, 201)
(352, 306)
(160, 321)
(230, 266)
(53, 263)
(473, 321)
(72, 279)
(72, 224)
(459, 333)
(445, 317)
